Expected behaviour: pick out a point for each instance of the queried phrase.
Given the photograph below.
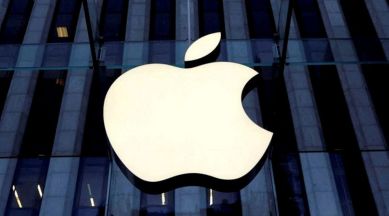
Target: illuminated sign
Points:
(164, 121)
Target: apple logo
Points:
(165, 123)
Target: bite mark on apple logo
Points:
(171, 127)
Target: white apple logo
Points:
(163, 121)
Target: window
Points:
(157, 204)
(64, 23)
(162, 20)
(260, 19)
(113, 20)
(311, 26)
(95, 142)
(5, 81)
(43, 117)
(221, 203)
(309, 19)
(277, 118)
(211, 17)
(339, 137)
(91, 187)
(27, 187)
(369, 48)
(362, 30)
(15, 22)
(376, 76)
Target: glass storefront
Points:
(326, 104)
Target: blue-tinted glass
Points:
(91, 187)
(286, 165)
(311, 25)
(116, 6)
(95, 142)
(377, 76)
(211, 17)
(27, 187)
(64, 22)
(339, 135)
(222, 203)
(157, 204)
(369, 48)
(43, 117)
(162, 52)
(19, 6)
(5, 81)
(362, 30)
(15, 21)
(260, 18)
(309, 19)
(68, 7)
(162, 20)
(113, 20)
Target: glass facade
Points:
(322, 91)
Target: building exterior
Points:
(326, 103)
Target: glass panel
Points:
(162, 52)
(369, 48)
(309, 19)
(95, 141)
(64, 22)
(15, 22)
(28, 187)
(211, 17)
(265, 53)
(221, 203)
(376, 76)
(162, 20)
(91, 187)
(277, 118)
(111, 53)
(113, 20)
(44, 112)
(157, 204)
(362, 30)
(260, 19)
(5, 81)
(57, 55)
(339, 136)
(8, 55)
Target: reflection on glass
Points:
(91, 187)
(377, 76)
(5, 81)
(62, 32)
(113, 20)
(17, 198)
(211, 17)
(95, 141)
(15, 21)
(222, 203)
(162, 20)
(276, 114)
(369, 48)
(311, 28)
(339, 136)
(362, 31)
(45, 107)
(25, 197)
(309, 19)
(210, 197)
(260, 19)
(65, 18)
(157, 204)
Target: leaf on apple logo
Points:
(204, 50)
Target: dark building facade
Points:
(325, 100)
